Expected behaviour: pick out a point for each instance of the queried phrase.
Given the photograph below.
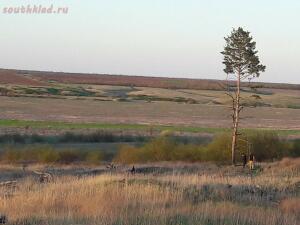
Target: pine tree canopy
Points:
(240, 55)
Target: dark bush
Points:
(94, 137)
(47, 154)
(13, 138)
(295, 148)
(266, 145)
(68, 156)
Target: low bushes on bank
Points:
(264, 145)
(48, 154)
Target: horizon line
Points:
(144, 76)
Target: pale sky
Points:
(173, 38)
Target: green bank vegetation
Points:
(66, 125)
(143, 127)
(265, 145)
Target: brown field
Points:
(71, 110)
(12, 77)
(158, 194)
(120, 80)
(44, 96)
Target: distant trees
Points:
(241, 60)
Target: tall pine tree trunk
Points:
(236, 118)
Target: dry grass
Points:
(291, 205)
(290, 163)
(189, 194)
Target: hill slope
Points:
(43, 78)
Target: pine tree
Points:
(241, 60)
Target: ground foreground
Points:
(171, 194)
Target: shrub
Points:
(128, 154)
(219, 149)
(189, 152)
(295, 149)
(68, 156)
(264, 145)
(94, 157)
(47, 154)
(11, 156)
(160, 149)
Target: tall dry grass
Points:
(216, 197)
